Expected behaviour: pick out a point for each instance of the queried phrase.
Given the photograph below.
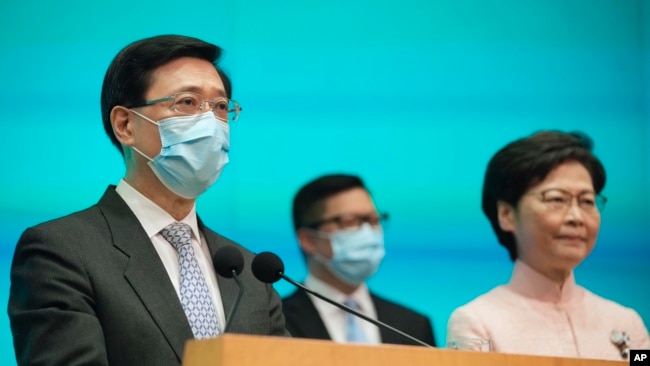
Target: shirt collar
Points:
(530, 283)
(151, 216)
(361, 295)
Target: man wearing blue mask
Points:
(130, 280)
(340, 235)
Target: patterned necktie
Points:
(195, 296)
(353, 331)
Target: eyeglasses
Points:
(190, 103)
(560, 200)
(351, 221)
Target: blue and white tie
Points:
(195, 296)
(353, 331)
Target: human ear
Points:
(306, 240)
(506, 216)
(122, 123)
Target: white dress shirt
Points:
(153, 219)
(335, 319)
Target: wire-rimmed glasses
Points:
(561, 200)
(190, 103)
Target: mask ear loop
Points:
(148, 120)
(141, 153)
(322, 236)
(144, 117)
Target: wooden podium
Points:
(239, 349)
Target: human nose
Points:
(574, 213)
(206, 106)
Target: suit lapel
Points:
(305, 309)
(384, 316)
(145, 271)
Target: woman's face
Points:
(556, 222)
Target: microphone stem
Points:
(235, 304)
(355, 312)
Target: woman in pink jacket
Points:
(542, 197)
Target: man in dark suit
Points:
(340, 235)
(129, 280)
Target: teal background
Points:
(414, 96)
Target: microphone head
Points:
(228, 259)
(267, 267)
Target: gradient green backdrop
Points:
(414, 96)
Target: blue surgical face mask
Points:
(193, 154)
(356, 253)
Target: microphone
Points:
(229, 262)
(268, 268)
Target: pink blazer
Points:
(532, 315)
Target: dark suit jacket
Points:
(303, 321)
(90, 288)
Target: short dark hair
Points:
(308, 204)
(129, 75)
(526, 162)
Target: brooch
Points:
(622, 341)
